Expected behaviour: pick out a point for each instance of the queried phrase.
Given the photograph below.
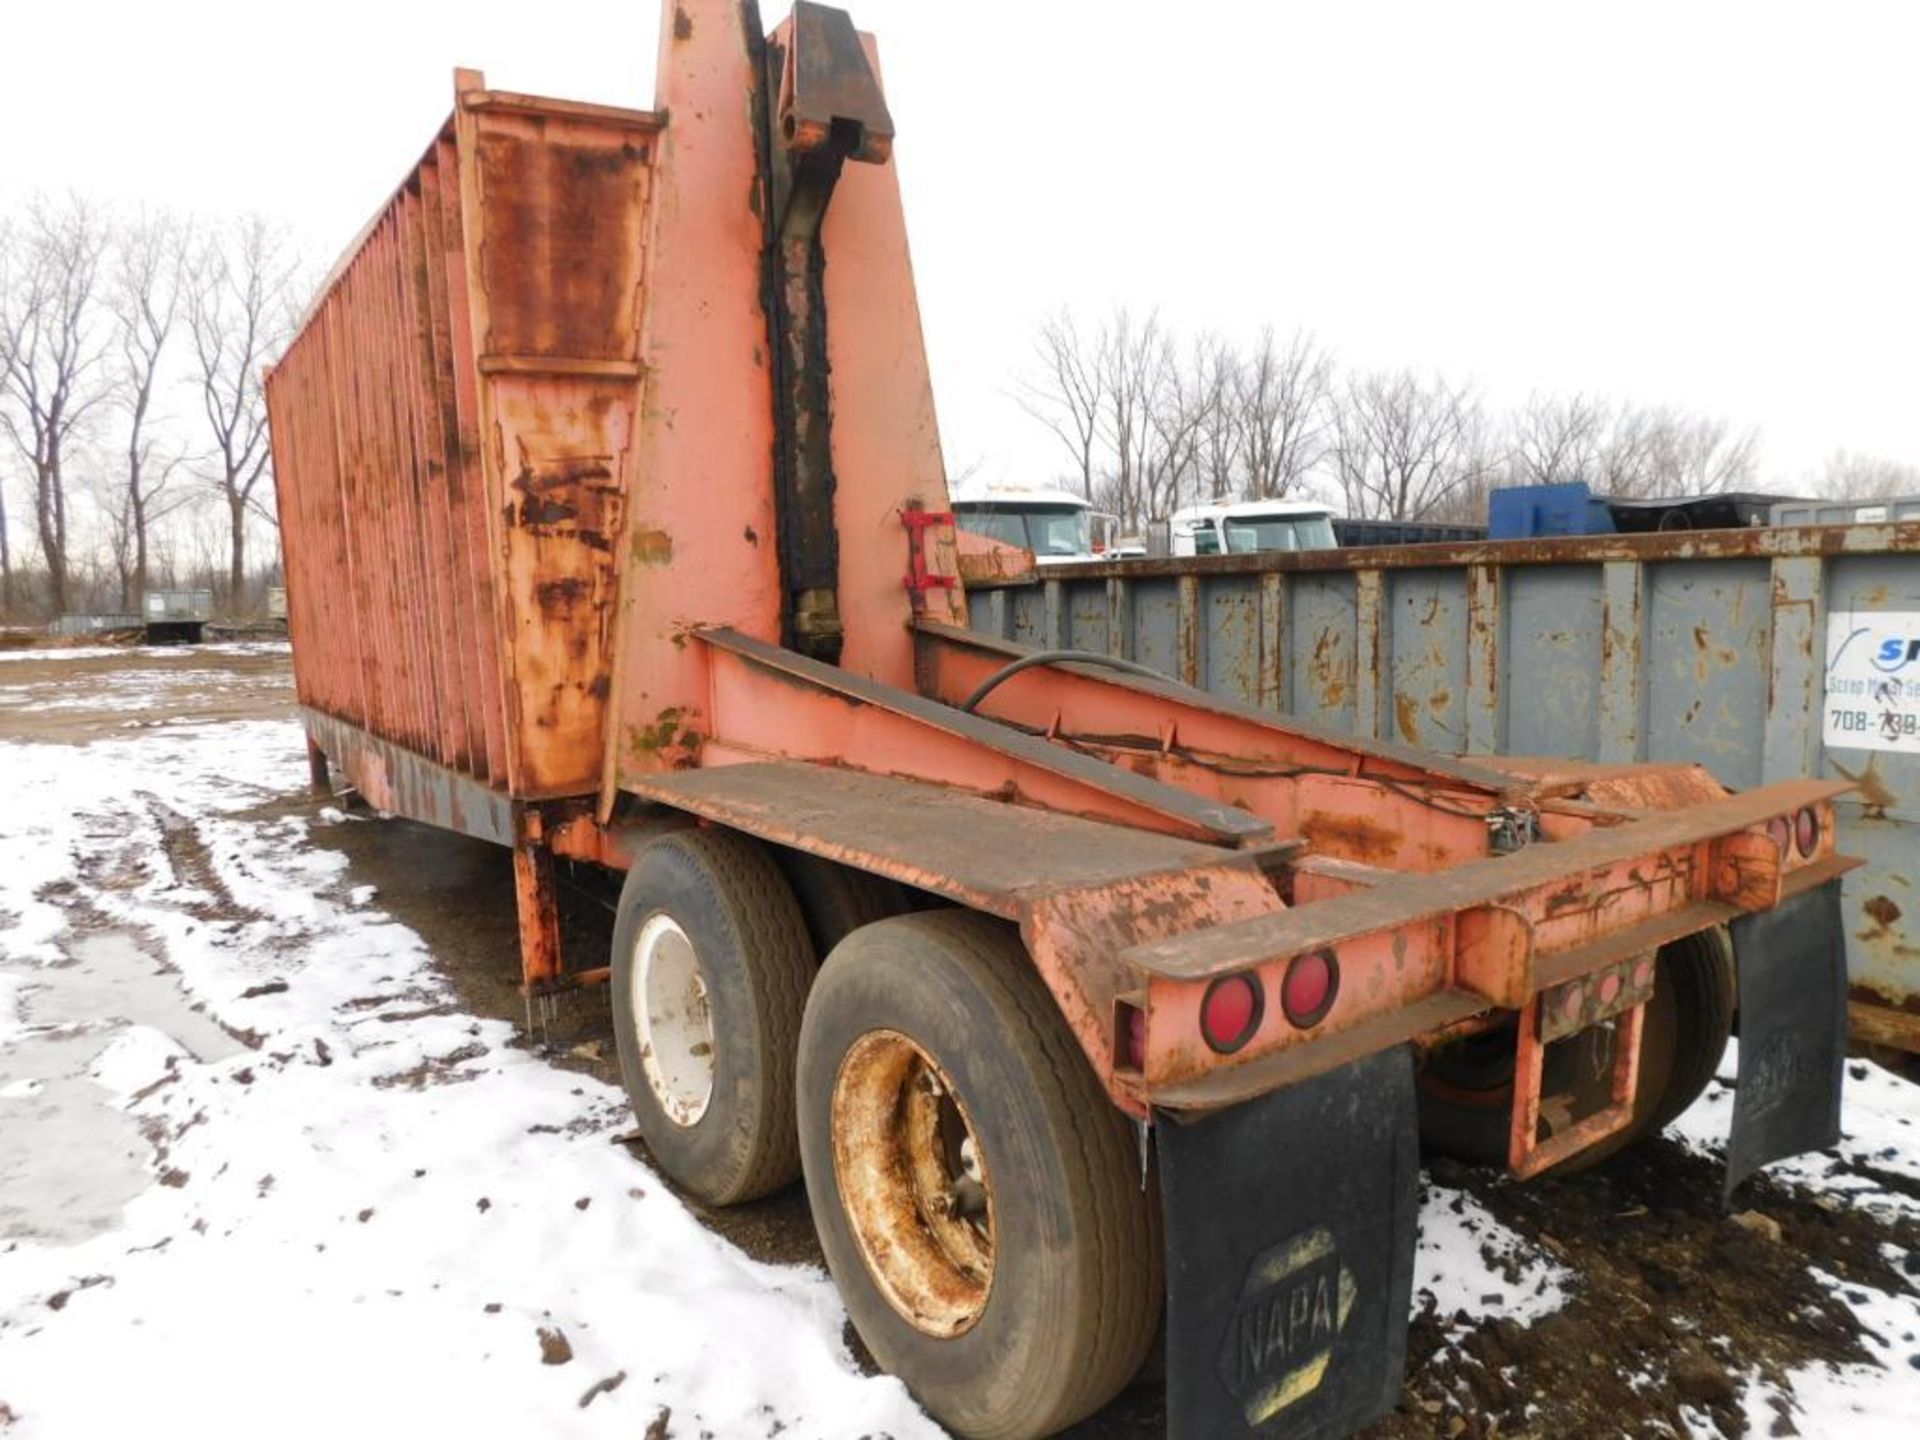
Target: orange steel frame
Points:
(616, 632)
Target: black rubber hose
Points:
(1055, 657)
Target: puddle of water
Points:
(70, 1158)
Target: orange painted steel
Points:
(613, 499)
(452, 436)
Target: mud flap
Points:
(1793, 1031)
(1290, 1228)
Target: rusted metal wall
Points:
(1706, 646)
(452, 445)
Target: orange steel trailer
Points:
(616, 529)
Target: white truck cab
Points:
(1247, 526)
(1056, 525)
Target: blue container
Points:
(1523, 512)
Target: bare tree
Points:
(50, 358)
(6, 550)
(238, 316)
(1850, 476)
(147, 290)
(1660, 450)
(1404, 447)
(1281, 406)
(1133, 359)
(1220, 440)
(1557, 439)
(1181, 400)
(1067, 389)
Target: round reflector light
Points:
(1609, 989)
(1312, 982)
(1136, 1037)
(1230, 1012)
(1780, 830)
(1806, 831)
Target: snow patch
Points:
(411, 1201)
(1474, 1267)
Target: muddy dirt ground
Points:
(1675, 1304)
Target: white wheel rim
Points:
(672, 1018)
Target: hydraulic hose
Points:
(1055, 657)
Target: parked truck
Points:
(616, 530)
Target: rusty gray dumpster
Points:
(1760, 654)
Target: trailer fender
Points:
(1290, 1224)
(1793, 1030)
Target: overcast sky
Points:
(1712, 205)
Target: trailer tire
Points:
(1688, 1023)
(838, 899)
(941, 1014)
(709, 940)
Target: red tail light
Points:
(1806, 831)
(1230, 1012)
(1311, 985)
(1780, 830)
(1133, 1036)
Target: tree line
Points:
(132, 415)
(1150, 420)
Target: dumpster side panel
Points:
(1881, 900)
(451, 446)
(1551, 661)
(556, 206)
(1706, 647)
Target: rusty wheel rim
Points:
(913, 1183)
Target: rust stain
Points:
(1882, 911)
(682, 24)
(1407, 711)
(562, 595)
(652, 547)
(1350, 837)
(1328, 670)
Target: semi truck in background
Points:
(1057, 526)
(1246, 527)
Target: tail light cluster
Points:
(1569, 1008)
(1801, 833)
(1233, 1007)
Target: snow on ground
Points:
(150, 652)
(1875, 1167)
(359, 1212)
(1472, 1266)
(326, 1200)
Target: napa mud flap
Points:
(1290, 1230)
(1793, 1031)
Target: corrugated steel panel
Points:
(451, 434)
(1700, 646)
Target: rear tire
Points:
(838, 899)
(711, 964)
(1016, 1291)
(1688, 1022)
